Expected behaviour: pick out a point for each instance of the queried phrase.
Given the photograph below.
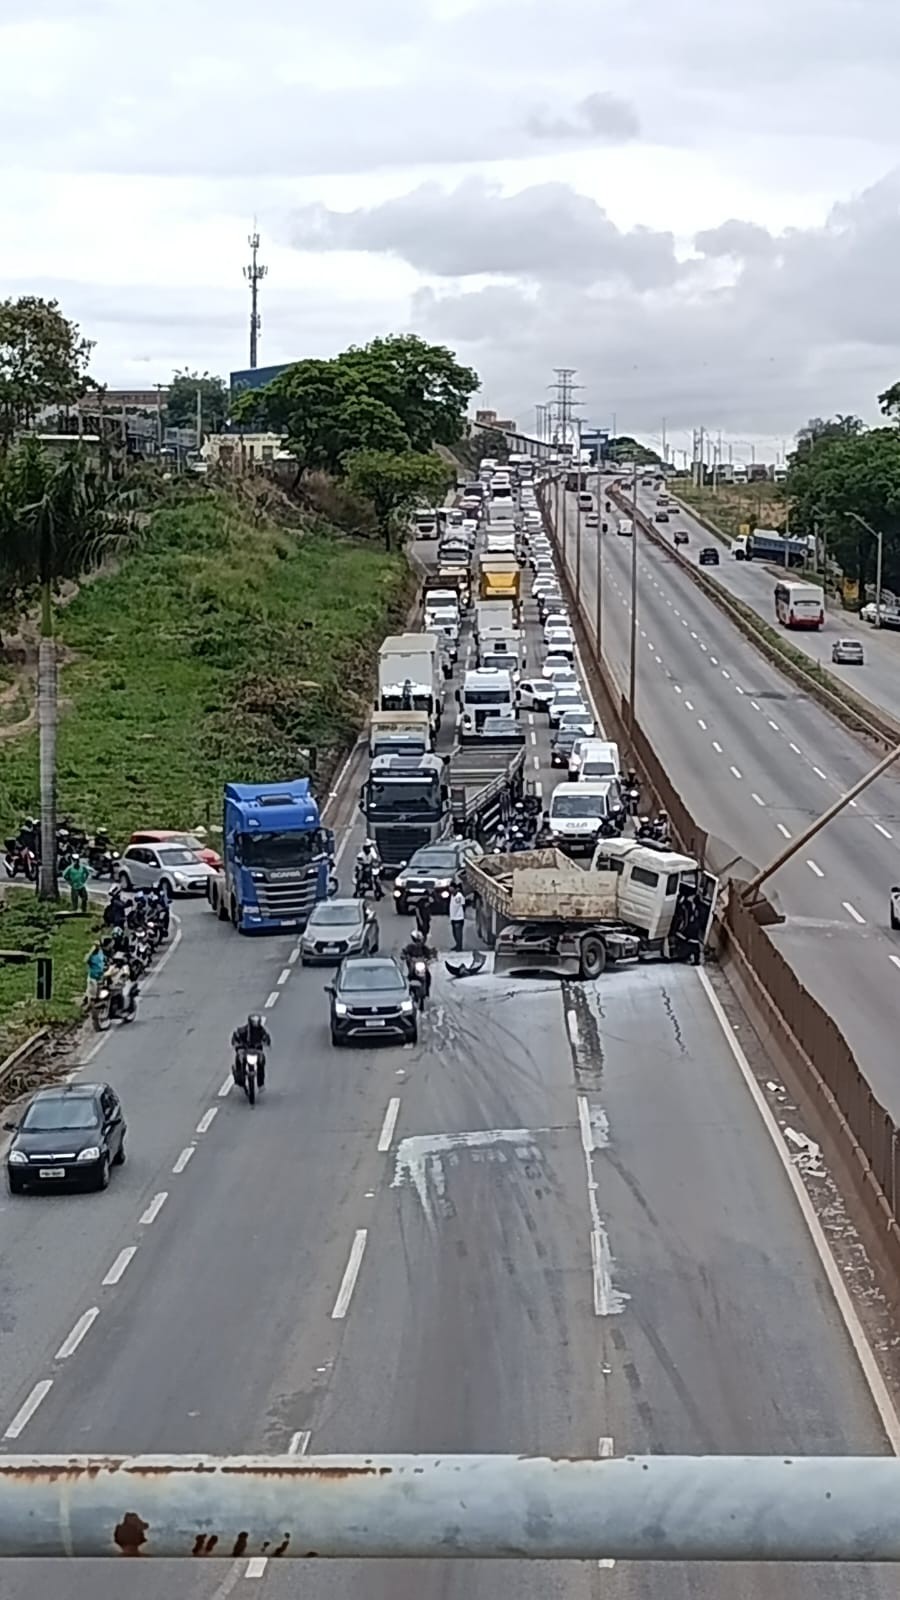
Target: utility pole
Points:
(564, 410)
(665, 452)
(254, 275)
(159, 416)
(632, 664)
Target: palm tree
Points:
(57, 520)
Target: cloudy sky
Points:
(695, 205)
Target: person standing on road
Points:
(423, 917)
(76, 876)
(457, 916)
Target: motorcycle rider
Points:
(122, 987)
(368, 870)
(115, 912)
(417, 949)
(250, 1035)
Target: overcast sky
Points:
(696, 206)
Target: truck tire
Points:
(592, 956)
(220, 907)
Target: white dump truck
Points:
(542, 913)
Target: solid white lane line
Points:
(26, 1411)
(283, 976)
(701, 724)
(895, 959)
(605, 1452)
(782, 829)
(864, 1354)
(820, 774)
(758, 798)
(584, 1125)
(207, 1119)
(70, 1345)
(814, 867)
(852, 912)
(717, 747)
(351, 1273)
(119, 1266)
(389, 1124)
(796, 749)
(735, 772)
(294, 955)
(572, 1028)
(883, 830)
(154, 1208)
(184, 1158)
(95, 1049)
(272, 1000)
(225, 1090)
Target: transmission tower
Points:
(254, 275)
(563, 406)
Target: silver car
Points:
(143, 866)
(848, 653)
(339, 928)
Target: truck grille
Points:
(287, 900)
(400, 844)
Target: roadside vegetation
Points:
(27, 923)
(731, 506)
(224, 646)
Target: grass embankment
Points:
(26, 924)
(223, 645)
(733, 506)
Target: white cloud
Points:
(687, 203)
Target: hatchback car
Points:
(370, 999)
(591, 520)
(559, 642)
(573, 725)
(144, 866)
(660, 516)
(339, 928)
(558, 667)
(709, 557)
(172, 836)
(71, 1133)
(848, 653)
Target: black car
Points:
(429, 874)
(73, 1133)
(564, 743)
(709, 557)
(370, 999)
(339, 928)
(681, 537)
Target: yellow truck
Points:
(500, 578)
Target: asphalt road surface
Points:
(754, 583)
(756, 761)
(556, 1225)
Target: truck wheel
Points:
(220, 907)
(235, 920)
(593, 956)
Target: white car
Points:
(555, 663)
(592, 520)
(557, 622)
(559, 642)
(568, 697)
(145, 866)
(535, 694)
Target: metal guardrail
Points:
(637, 1508)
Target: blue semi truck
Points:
(275, 856)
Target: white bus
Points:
(799, 605)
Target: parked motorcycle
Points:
(18, 858)
(102, 858)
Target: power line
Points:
(254, 275)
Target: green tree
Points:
(181, 402)
(43, 361)
(847, 470)
(58, 519)
(396, 482)
(423, 383)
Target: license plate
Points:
(332, 949)
(375, 1022)
(51, 1172)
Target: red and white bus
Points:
(799, 605)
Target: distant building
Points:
(238, 452)
(124, 399)
(490, 419)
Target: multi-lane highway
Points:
(754, 583)
(558, 1224)
(756, 760)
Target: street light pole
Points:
(598, 624)
(632, 666)
(879, 538)
(579, 483)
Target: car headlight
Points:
(92, 1153)
(179, 879)
(17, 1158)
(340, 1010)
(406, 1005)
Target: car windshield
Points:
(434, 861)
(364, 976)
(578, 805)
(277, 849)
(574, 722)
(56, 1115)
(332, 916)
(177, 857)
(567, 697)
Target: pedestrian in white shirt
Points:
(457, 916)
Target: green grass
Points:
(731, 506)
(26, 924)
(223, 645)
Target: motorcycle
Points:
(419, 980)
(333, 884)
(113, 1004)
(367, 880)
(19, 858)
(253, 1065)
(102, 858)
(632, 801)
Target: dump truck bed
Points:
(543, 885)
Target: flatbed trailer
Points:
(486, 780)
(543, 913)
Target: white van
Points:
(625, 528)
(576, 813)
(594, 759)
